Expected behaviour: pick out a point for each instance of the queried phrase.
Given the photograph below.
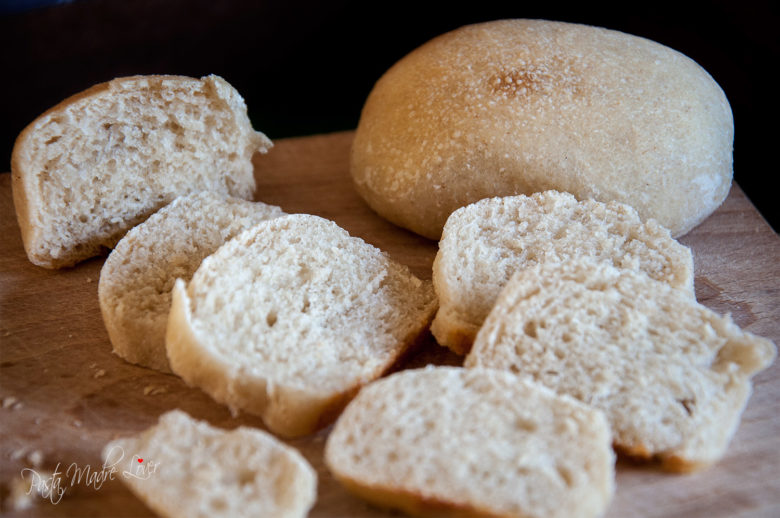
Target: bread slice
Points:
(137, 278)
(672, 376)
(290, 318)
(447, 441)
(182, 467)
(100, 162)
(484, 243)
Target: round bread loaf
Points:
(519, 106)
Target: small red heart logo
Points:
(140, 460)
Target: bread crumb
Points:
(77, 423)
(89, 279)
(100, 373)
(153, 390)
(18, 454)
(35, 458)
(20, 494)
(9, 401)
(22, 491)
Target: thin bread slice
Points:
(447, 441)
(289, 319)
(182, 467)
(484, 243)
(137, 278)
(101, 161)
(672, 376)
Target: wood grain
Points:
(65, 394)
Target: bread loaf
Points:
(484, 243)
(454, 442)
(100, 162)
(671, 375)
(290, 318)
(137, 278)
(519, 106)
(186, 468)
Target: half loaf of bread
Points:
(184, 468)
(671, 375)
(100, 162)
(289, 319)
(484, 243)
(447, 441)
(137, 278)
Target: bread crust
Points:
(414, 503)
(125, 335)
(453, 332)
(520, 106)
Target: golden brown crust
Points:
(676, 464)
(454, 334)
(668, 462)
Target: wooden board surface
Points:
(65, 394)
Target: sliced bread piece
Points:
(137, 278)
(289, 319)
(100, 162)
(447, 441)
(672, 376)
(484, 243)
(182, 467)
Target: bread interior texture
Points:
(102, 166)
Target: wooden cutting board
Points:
(65, 394)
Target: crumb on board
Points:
(17, 454)
(100, 373)
(153, 390)
(22, 491)
(35, 458)
(20, 495)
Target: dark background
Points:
(306, 67)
